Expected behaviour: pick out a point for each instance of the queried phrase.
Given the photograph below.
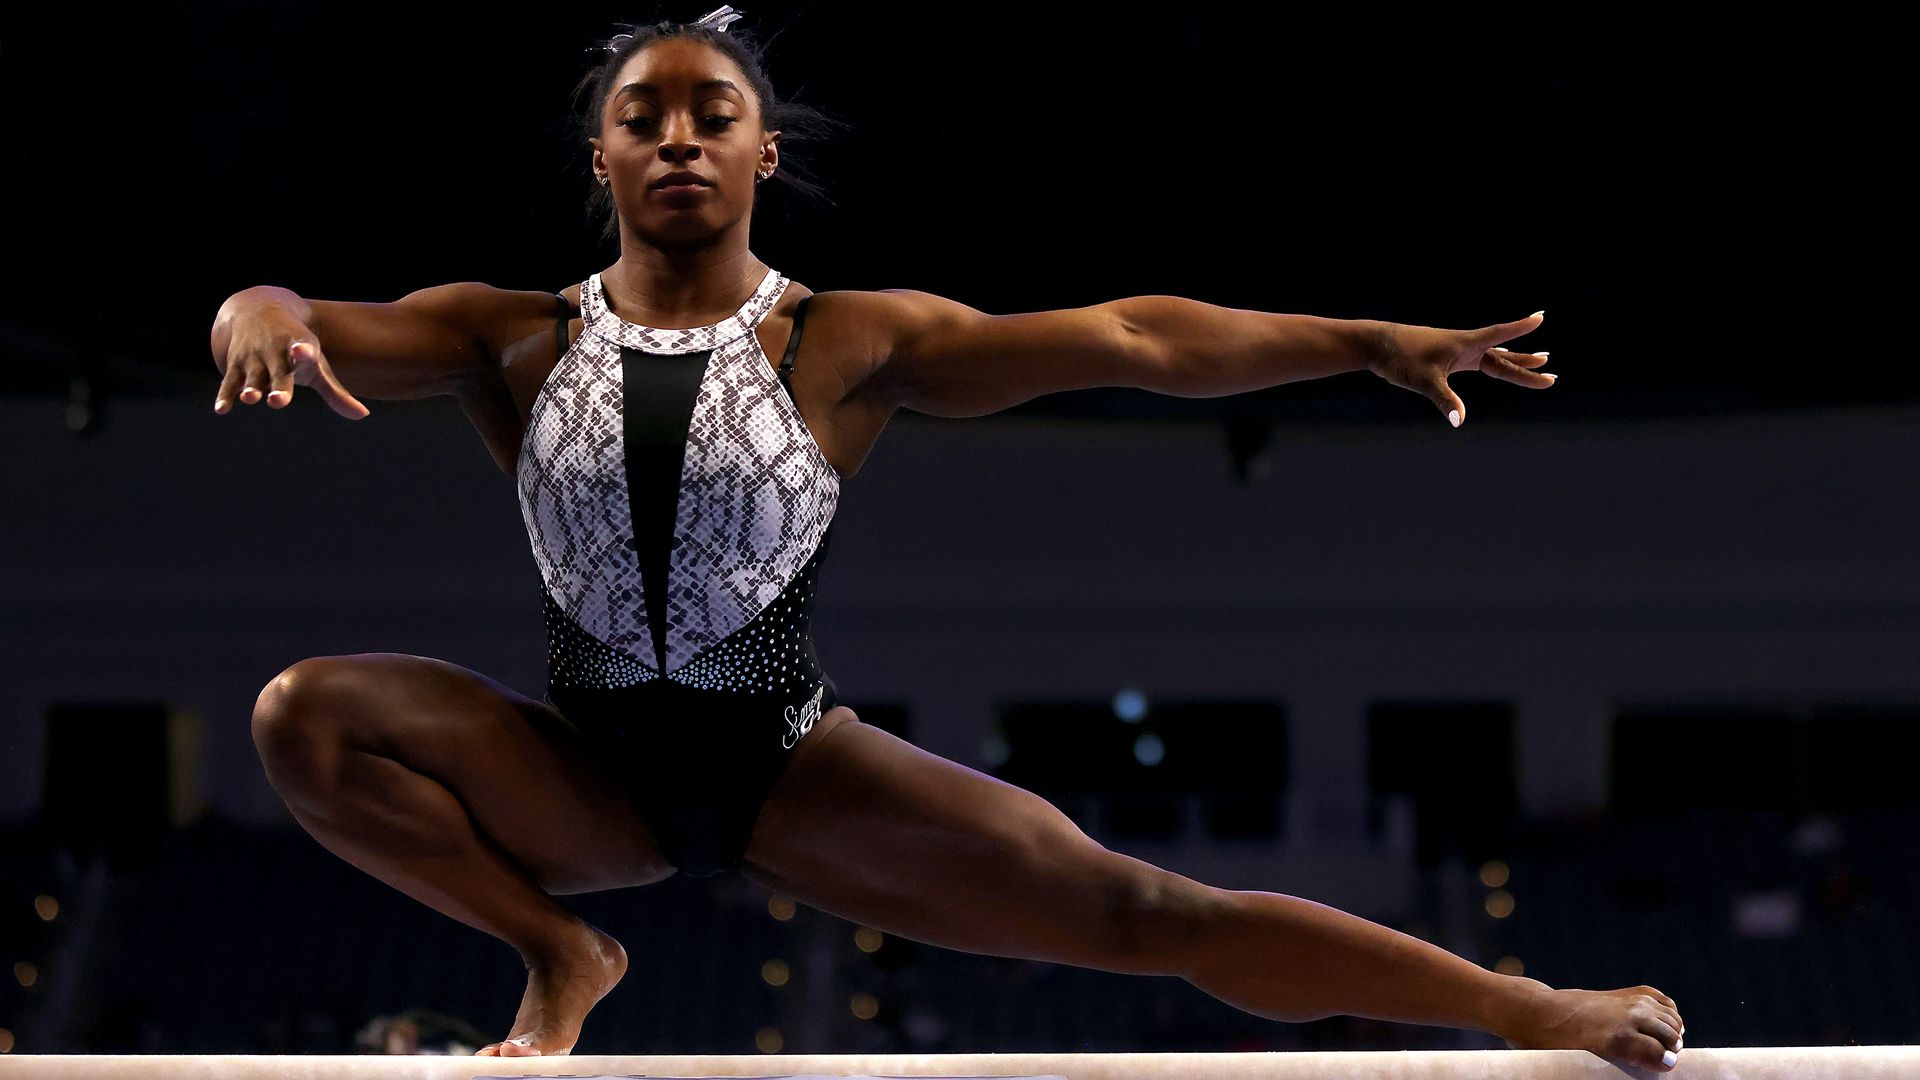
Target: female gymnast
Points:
(678, 453)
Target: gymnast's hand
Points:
(1419, 358)
(269, 352)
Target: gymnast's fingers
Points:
(317, 373)
(279, 382)
(1524, 359)
(1501, 367)
(253, 378)
(1450, 405)
(230, 383)
(244, 374)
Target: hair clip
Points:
(718, 19)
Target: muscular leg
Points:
(873, 829)
(469, 797)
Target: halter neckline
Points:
(604, 322)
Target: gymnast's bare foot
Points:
(1637, 1025)
(559, 993)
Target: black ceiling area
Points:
(1703, 198)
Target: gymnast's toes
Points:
(514, 1048)
(523, 1046)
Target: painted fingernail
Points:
(219, 403)
(1542, 354)
(1551, 375)
(1669, 1058)
(1542, 311)
(1453, 417)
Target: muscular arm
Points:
(1211, 351)
(434, 341)
(942, 357)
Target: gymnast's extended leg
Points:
(471, 798)
(873, 829)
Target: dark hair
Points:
(793, 120)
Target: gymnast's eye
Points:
(640, 121)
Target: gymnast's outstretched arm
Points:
(942, 357)
(440, 340)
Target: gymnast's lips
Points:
(683, 179)
(682, 196)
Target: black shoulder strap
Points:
(566, 313)
(793, 344)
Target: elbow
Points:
(1146, 355)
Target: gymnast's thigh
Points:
(869, 827)
(532, 781)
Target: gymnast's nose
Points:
(677, 143)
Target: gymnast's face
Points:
(678, 106)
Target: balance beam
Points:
(1737, 1063)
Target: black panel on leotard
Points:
(657, 395)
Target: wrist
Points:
(1371, 341)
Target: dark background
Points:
(1704, 198)
(1636, 654)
